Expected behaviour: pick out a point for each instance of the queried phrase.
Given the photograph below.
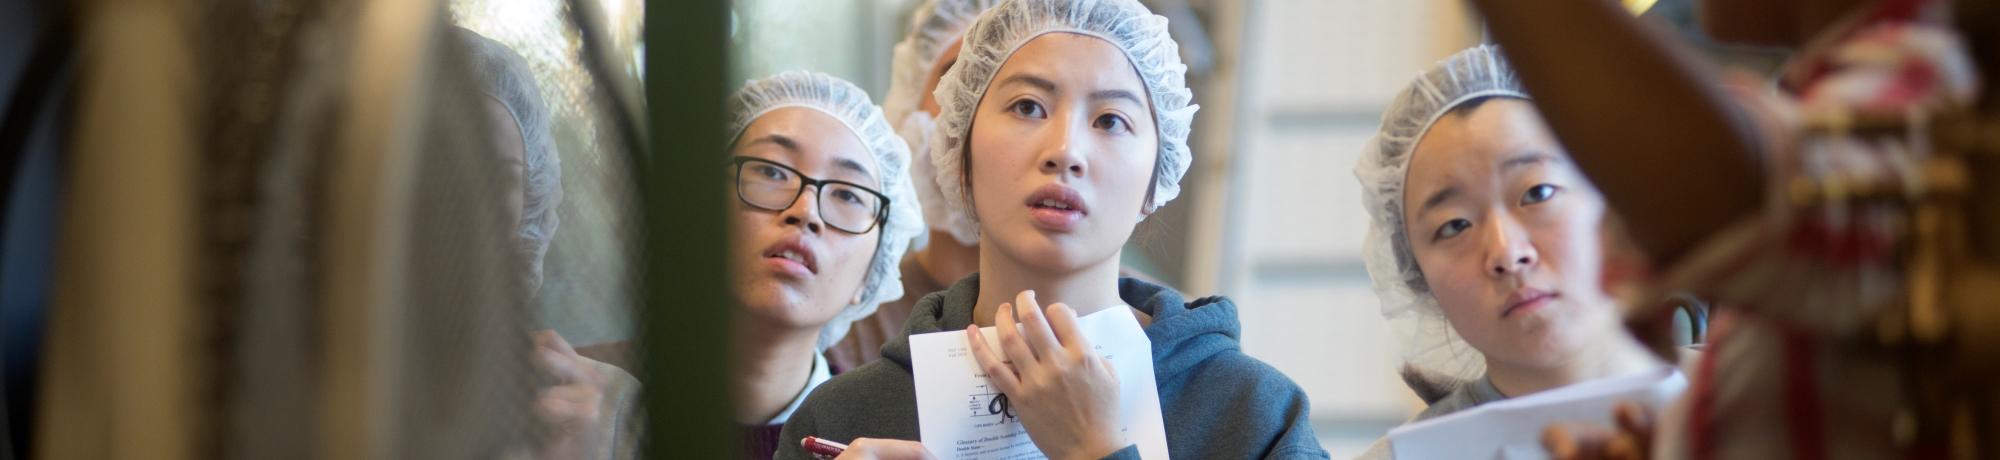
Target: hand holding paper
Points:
(1064, 393)
(964, 414)
(1514, 428)
(1632, 439)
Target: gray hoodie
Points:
(1217, 401)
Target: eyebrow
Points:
(1117, 94)
(851, 165)
(1048, 86)
(784, 142)
(1530, 157)
(1437, 198)
(1031, 80)
(791, 145)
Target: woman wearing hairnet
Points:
(1486, 244)
(1809, 223)
(519, 120)
(1063, 124)
(824, 211)
(952, 250)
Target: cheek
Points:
(1456, 284)
(746, 235)
(855, 253)
(1570, 241)
(998, 163)
(1130, 165)
(1463, 293)
(1136, 175)
(1457, 298)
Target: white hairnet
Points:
(1431, 345)
(1136, 31)
(933, 27)
(849, 104)
(505, 76)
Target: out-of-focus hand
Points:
(569, 409)
(885, 449)
(1064, 393)
(1632, 439)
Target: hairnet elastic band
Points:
(1130, 61)
(863, 139)
(1449, 106)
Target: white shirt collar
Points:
(820, 374)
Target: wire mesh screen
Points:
(443, 363)
(587, 291)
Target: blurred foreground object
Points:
(124, 308)
(285, 238)
(1861, 299)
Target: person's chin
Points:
(1556, 342)
(800, 315)
(1049, 252)
(770, 293)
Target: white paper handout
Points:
(961, 416)
(1512, 428)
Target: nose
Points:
(804, 211)
(1061, 157)
(1510, 251)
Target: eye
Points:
(847, 196)
(1112, 122)
(1539, 193)
(771, 172)
(1452, 228)
(1027, 108)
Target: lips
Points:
(1526, 300)
(1056, 207)
(793, 255)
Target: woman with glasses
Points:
(1061, 126)
(823, 212)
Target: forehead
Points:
(1073, 60)
(812, 141)
(1468, 146)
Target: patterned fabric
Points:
(1808, 276)
(1820, 256)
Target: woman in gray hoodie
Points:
(1082, 120)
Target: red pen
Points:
(822, 449)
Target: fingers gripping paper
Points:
(960, 415)
(1512, 429)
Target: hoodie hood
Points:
(1183, 333)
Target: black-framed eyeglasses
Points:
(772, 186)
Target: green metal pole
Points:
(684, 318)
